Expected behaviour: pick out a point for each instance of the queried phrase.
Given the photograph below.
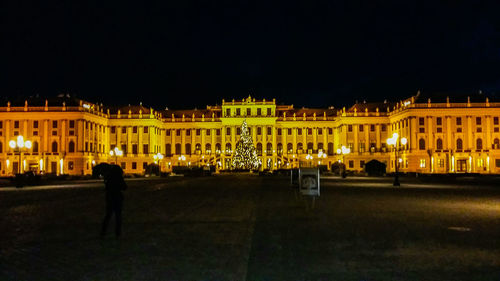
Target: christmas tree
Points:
(245, 156)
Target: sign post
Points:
(309, 181)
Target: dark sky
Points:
(183, 54)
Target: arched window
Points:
(309, 146)
(439, 144)
(269, 148)
(289, 147)
(188, 148)
(459, 144)
(421, 144)
(71, 146)
(218, 148)
(168, 149)
(178, 149)
(496, 144)
(479, 144)
(320, 146)
(208, 148)
(54, 146)
(259, 149)
(197, 148)
(299, 147)
(280, 148)
(228, 147)
(330, 148)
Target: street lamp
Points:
(397, 143)
(158, 157)
(344, 151)
(309, 157)
(116, 152)
(18, 146)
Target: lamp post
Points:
(396, 142)
(309, 158)
(158, 157)
(18, 146)
(116, 152)
(343, 151)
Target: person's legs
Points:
(107, 217)
(118, 217)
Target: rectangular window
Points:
(16, 124)
(349, 128)
(113, 129)
(228, 112)
(495, 121)
(54, 133)
(421, 121)
(361, 164)
(421, 130)
(217, 132)
(320, 131)
(351, 164)
(459, 130)
(361, 147)
(124, 130)
(124, 148)
(168, 133)
(134, 165)
(440, 163)
(439, 130)
(1, 124)
(238, 131)
(439, 121)
(71, 124)
(309, 131)
(228, 131)
(249, 112)
(71, 165)
(134, 149)
(259, 131)
(35, 133)
(134, 130)
(459, 121)
(177, 132)
(299, 131)
(54, 124)
(289, 132)
(238, 112)
(146, 130)
(188, 132)
(123, 165)
(208, 132)
(269, 131)
(145, 149)
(372, 128)
(279, 132)
(496, 130)
(497, 163)
(422, 163)
(478, 120)
(384, 127)
(198, 132)
(479, 129)
(268, 112)
(259, 112)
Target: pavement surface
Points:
(255, 228)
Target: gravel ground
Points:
(254, 228)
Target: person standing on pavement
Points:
(115, 184)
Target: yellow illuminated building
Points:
(70, 136)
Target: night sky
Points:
(186, 54)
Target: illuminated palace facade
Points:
(69, 136)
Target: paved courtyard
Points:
(255, 228)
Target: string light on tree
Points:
(245, 155)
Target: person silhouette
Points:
(115, 184)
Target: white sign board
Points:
(309, 181)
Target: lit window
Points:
(422, 163)
(480, 163)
